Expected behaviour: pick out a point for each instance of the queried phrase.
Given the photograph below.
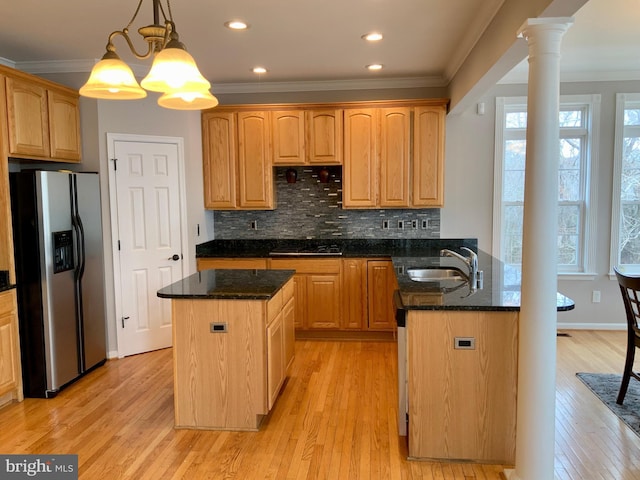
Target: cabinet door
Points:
(219, 159)
(428, 156)
(323, 301)
(381, 283)
(300, 289)
(395, 147)
(355, 294)
(255, 173)
(288, 320)
(275, 358)
(360, 169)
(64, 126)
(324, 137)
(10, 372)
(288, 137)
(27, 118)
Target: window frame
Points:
(590, 104)
(623, 101)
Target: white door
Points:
(149, 248)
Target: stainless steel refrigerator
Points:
(57, 232)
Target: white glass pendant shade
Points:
(200, 100)
(112, 79)
(174, 69)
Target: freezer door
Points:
(91, 280)
(58, 291)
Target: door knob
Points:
(175, 257)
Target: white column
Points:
(537, 329)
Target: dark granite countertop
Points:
(405, 253)
(452, 295)
(228, 284)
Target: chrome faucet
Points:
(471, 262)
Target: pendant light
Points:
(173, 72)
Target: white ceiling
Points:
(312, 40)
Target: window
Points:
(625, 219)
(578, 131)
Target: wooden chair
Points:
(630, 289)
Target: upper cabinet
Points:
(392, 153)
(237, 164)
(394, 157)
(43, 120)
(307, 137)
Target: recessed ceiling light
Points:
(372, 37)
(236, 25)
(375, 66)
(259, 70)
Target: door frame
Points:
(112, 138)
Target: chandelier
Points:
(174, 72)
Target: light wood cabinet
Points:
(394, 157)
(360, 170)
(354, 286)
(237, 167)
(462, 402)
(229, 378)
(43, 122)
(6, 235)
(395, 150)
(324, 136)
(219, 160)
(10, 369)
(288, 128)
(307, 137)
(255, 173)
(381, 283)
(428, 156)
(318, 291)
(232, 263)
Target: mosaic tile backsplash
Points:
(310, 209)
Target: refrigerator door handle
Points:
(76, 222)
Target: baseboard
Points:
(592, 326)
(112, 354)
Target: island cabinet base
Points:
(223, 366)
(462, 401)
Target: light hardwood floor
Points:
(335, 419)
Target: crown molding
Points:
(520, 75)
(7, 63)
(85, 66)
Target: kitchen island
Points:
(233, 342)
(458, 360)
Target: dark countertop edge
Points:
(286, 274)
(6, 288)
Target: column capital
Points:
(533, 25)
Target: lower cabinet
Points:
(332, 294)
(10, 369)
(462, 398)
(318, 291)
(230, 359)
(381, 277)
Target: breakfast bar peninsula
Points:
(233, 342)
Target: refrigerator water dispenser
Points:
(62, 251)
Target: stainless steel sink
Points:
(436, 274)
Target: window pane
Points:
(512, 229)
(632, 116)
(630, 233)
(516, 120)
(630, 181)
(570, 118)
(568, 234)
(515, 152)
(569, 178)
(513, 190)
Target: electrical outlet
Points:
(595, 296)
(385, 224)
(425, 223)
(414, 224)
(254, 225)
(401, 224)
